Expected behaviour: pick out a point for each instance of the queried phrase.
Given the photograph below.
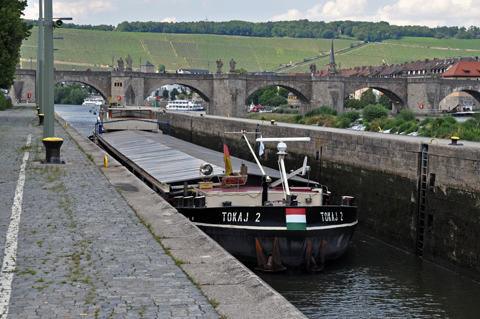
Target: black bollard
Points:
(52, 146)
(38, 110)
(40, 119)
(454, 140)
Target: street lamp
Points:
(208, 66)
(140, 63)
(31, 63)
(112, 62)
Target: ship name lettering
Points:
(331, 216)
(258, 218)
(234, 217)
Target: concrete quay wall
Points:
(382, 171)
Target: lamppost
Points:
(208, 66)
(140, 63)
(112, 62)
(31, 66)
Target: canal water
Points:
(372, 279)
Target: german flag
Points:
(226, 158)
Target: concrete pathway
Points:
(82, 251)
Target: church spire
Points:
(332, 56)
(332, 66)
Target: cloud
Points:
(77, 10)
(339, 9)
(430, 13)
(336, 9)
(170, 19)
(293, 14)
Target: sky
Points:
(431, 13)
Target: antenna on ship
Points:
(282, 147)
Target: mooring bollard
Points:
(52, 146)
(40, 119)
(454, 140)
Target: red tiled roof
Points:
(463, 69)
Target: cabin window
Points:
(145, 114)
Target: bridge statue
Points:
(120, 64)
(129, 63)
(219, 66)
(232, 66)
(313, 69)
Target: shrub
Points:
(302, 121)
(371, 112)
(352, 115)
(288, 112)
(413, 128)
(382, 122)
(450, 119)
(426, 121)
(345, 123)
(9, 104)
(297, 118)
(407, 115)
(405, 126)
(367, 127)
(295, 112)
(2, 102)
(279, 110)
(324, 109)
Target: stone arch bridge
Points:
(225, 94)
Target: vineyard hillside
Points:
(82, 49)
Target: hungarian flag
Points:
(226, 158)
(296, 219)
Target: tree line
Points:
(363, 31)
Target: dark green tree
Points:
(174, 93)
(385, 101)
(165, 93)
(368, 97)
(283, 92)
(13, 30)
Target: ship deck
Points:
(171, 160)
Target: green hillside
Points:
(82, 49)
(87, 48)
(399, 52)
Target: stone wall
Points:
(381, 171)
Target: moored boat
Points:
(269, 224)
(184, 105)
(93, 101)
(265, 218)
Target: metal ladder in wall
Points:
(422, 200)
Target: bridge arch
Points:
(396, 92)
(100, 84)
(468, 87)
(205, 90)
(301, 89)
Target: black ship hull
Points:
(236, 229)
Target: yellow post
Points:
(105, 161)
(66, 124)
(380, 129)
(228, 115)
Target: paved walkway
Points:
(82, 251)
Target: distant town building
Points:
(463, 70)
(147, 67)
(292, 99)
